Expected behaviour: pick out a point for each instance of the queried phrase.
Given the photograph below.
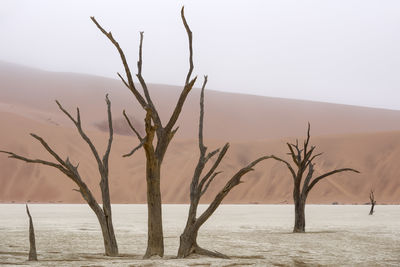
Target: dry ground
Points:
(252, 235)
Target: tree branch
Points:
(154, 113)
(78, 125)
(287, 164)
(131, 126)
(215, 165)
(130, 83)
(234, 181)
(190, 37)
(319, 178)
(44, 162)
(134, 149)
(111, 132)
(208, 183)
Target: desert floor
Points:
(252, 235)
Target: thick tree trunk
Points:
(299, 216)
(187, 241)
(155, 239)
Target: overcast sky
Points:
(341, 51)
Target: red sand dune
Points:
(363, 138)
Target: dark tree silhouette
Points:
(32, 241)
(156, 132)
(373, 202)
(303, 166)
(65, 166)
(199, 185)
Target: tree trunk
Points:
(372, 208)
(110, 242)
(155, 239)
(187, 244)
(32, 243)
(107, 226)
(299, 216)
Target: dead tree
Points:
(32, 243)
(303, 166)
(65, 166)
(154, 128)
(199, 185)
(373, 202)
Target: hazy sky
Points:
(341, 51)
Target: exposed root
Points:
(205, 252)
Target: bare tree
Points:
(65, 166)
(199, 185)
(154, 128)
(373, 202)
(32, 243)
(304, 166)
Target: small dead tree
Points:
(154, 128)
(103, 214)
(199, 185)
(32, 243)
(304, 166)
(373, 202)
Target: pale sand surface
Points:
(252, 235)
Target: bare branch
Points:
(201, 120)
(44, 162)
(308, 179)
(190, 37)
(48, 148)
(211, 154)
(131, 126)
(111, 132)
(123, 80)
(179, 105)
(209, 182)
(319, 178)
(287, 164)
(135, 149)
(234, 181)
(215, 165)
(144, 85)
(307, 140)
(130, 83)
(78, 125)
(295, 157)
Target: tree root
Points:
(205, 252)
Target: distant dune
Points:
(363, 138)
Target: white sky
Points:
(341, 51)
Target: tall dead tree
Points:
(199, 185)
(156, 132)
(302, 158)
(373, 202)
(32, 241)
(103, 213)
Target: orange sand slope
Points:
(363, 138)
